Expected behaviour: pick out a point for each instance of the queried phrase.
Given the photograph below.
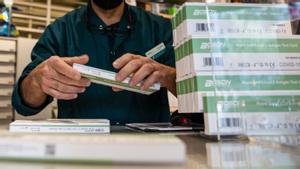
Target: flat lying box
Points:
(198, 54)
(108, 78)
(256, 114)
(217, 19)
(252, 123)
(283, 81)
(250, 155)
(61, 126)
(93, 149)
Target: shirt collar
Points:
(95, 21)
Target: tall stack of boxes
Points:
(239, 64)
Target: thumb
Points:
(83, 59)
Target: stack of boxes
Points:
(239, 65)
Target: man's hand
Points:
(145, 71)
(54, 77)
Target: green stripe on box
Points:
(57, 160)
(114, 82)
(271, 13)
(240, 83)
(240, 45)
(252, 104)
(62, 126)
(173, 23)
(261, 166)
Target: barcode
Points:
(233, 156)
(231, 122)
(204, 27)
(215, 61)
(50, 149)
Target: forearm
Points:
(170, 81)
(31, 93)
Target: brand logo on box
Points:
(198, 12)
(214, 45)
(217, 83)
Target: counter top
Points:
(257, 152)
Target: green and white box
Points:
(252, 114)
(256, 82)
(108, 78)
(242, 20)
(192, 89)
(199, 54)
(92, 149)
(61, 126)
(250, 155)
(279, 82)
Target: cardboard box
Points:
(218, 19)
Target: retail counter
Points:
(201, 153)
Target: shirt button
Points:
(113, 53)
(100, 27)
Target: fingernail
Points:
(115, 64)
(118, 78)
(83, 90)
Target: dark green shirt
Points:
(82, 32)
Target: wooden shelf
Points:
(35, 15)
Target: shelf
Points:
(30, 29)
(33, 16)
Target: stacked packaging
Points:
(239, 64)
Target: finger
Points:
(63, 88)
(83, 82)
(59, 95)
(62, 67)
(123, 60)
(153, 78)
(129, 69)
(141, 74)
(83, 59)
(115, 89)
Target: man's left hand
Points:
(145, 71)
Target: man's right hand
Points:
(55, 77)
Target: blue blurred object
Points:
(4, 23)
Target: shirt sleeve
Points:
(47, 46)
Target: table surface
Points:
(255, 152)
